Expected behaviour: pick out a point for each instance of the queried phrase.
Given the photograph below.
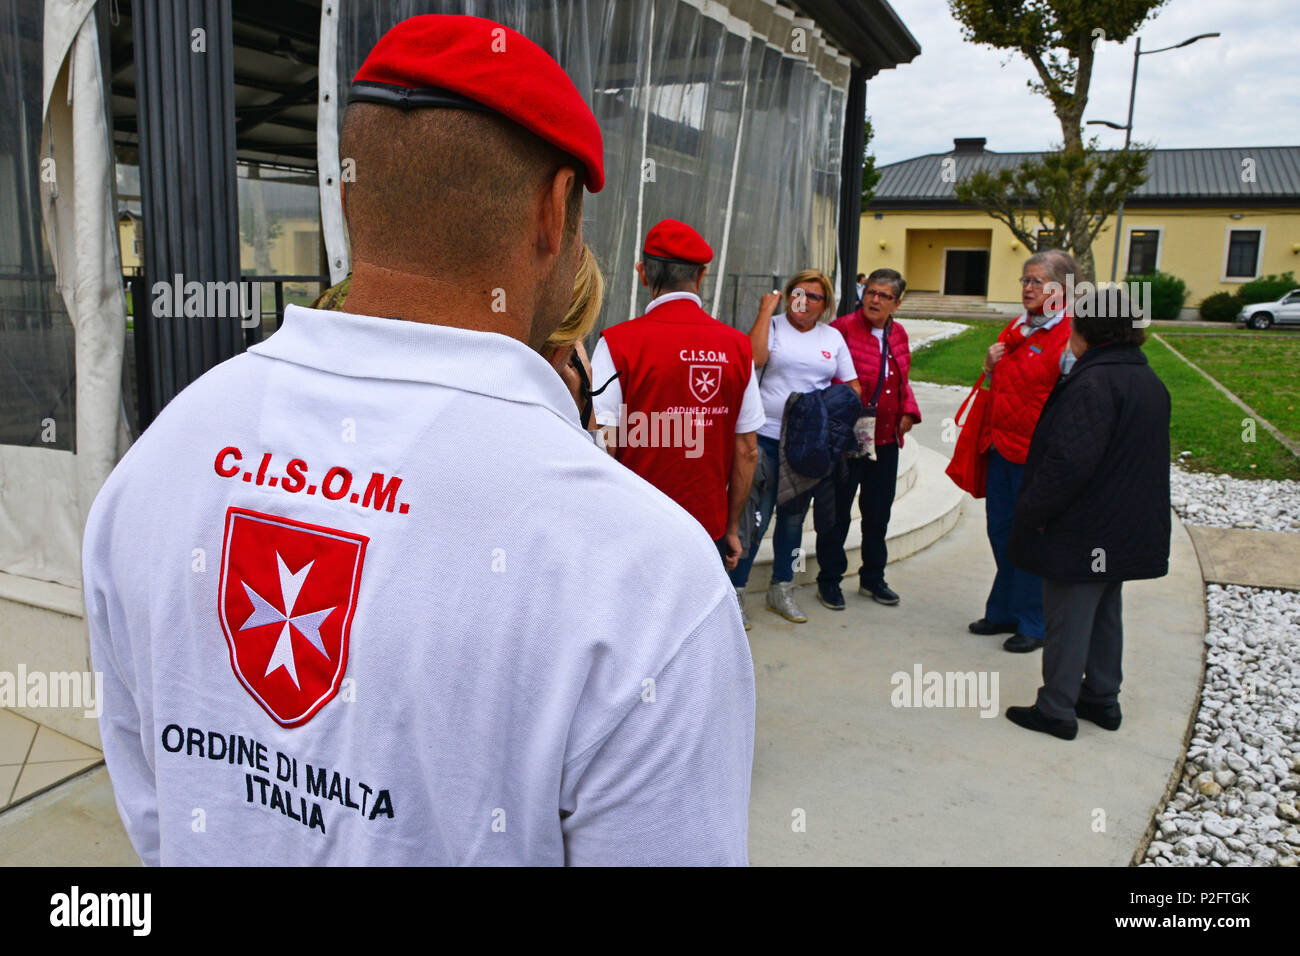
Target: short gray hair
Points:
(887, 275)
(1056, 262)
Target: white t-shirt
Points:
(368, 594)
(800, 362)
(606, 404)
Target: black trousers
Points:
(875, 480)
(1085, 642)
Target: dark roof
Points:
(869, 31)
(1197, 176)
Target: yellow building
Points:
(1214, 217)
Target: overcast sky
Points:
(1239, 89)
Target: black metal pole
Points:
(850, 225)
(185, 110)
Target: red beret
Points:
(675, 240)
(471, 63)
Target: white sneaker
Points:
(780, 598)
(740, 599)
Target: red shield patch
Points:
(705, 380)
(288, 593)
(825, 354)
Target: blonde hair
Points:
(813, 275)
(584, 307)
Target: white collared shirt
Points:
(673, 297)
(545, 662)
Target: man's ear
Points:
(555, 202)
(699, 279)
(640, 270)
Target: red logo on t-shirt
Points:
(288, 593)
(825, 354)
(705, 381)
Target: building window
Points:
(1243, 253)
(1143, 244)
(1048, 239)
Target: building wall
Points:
(914, 242)
(1193, 245)
(294, 250)
(925, 253)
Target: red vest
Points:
(677, 360)
(1022, 380)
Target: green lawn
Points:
(1204, 421)
(1262, 370)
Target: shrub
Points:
(1168, 293)
(1220, 307)
(1266, 288)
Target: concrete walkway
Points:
(841, 776)
(878, 784)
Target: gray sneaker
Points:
(740, 599)
(780, 598)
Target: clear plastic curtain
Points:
(687, 101)
(37, 373)
(39, 513)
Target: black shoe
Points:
(880, 593)
(1031, 718)
(1106, 716)
(1021, 644)
(985, 626)
(831, 596)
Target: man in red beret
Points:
(685, 410)
(373, 613)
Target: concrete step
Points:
(933, 303)
(927, 505)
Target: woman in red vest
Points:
(1023, 366)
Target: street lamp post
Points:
(1128, 129)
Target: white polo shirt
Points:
(800, 362)
(368, 594)
(606, 404)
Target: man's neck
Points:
(460, 304)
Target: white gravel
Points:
(1222, 502)
(1238, 802)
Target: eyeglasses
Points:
(873, 294)
(810, 296)
(1031, 281)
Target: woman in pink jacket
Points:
(875, 342)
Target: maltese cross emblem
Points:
(288, 595)
(705, 380)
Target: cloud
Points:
(1240, 89)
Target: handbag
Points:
(969, 468)
(864, 429)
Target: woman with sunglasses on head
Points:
(794, 352)
(1023, 366)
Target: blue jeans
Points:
(1017, 596)
(788, 536)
